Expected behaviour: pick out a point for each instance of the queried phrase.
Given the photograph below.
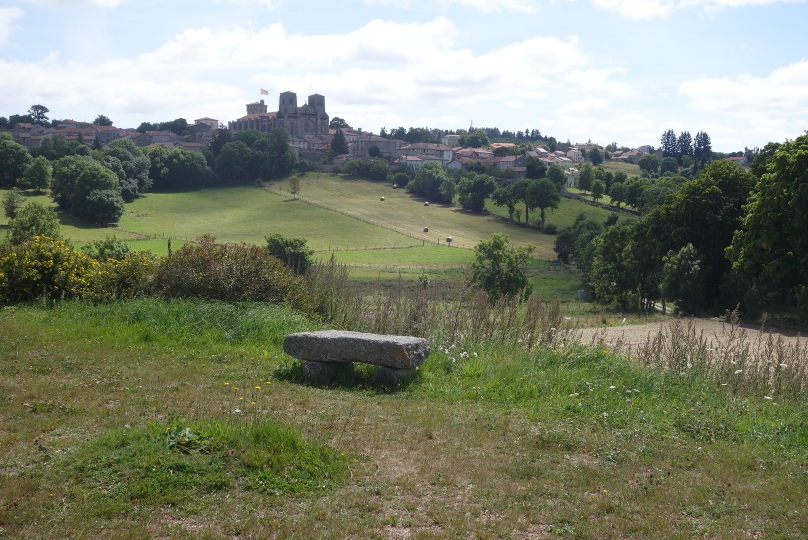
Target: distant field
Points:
(232, 214)
(405, 213)
(618, 166)
(563, 216)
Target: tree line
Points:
(728, 237)
(93, 185)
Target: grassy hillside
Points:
(489, 441)
(618, 166)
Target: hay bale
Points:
(426, 204)
(426, 229)
(381, 198)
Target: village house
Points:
(360, 146)
(450, 140)
(575, 155)
(437, 152)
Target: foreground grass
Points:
(488, 441)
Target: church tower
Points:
(287, 104)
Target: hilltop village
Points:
(311, 133)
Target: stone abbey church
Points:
(311, 118)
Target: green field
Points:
(618, 166)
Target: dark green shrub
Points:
(231, 272)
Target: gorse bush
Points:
(50, 268)
(231, 272)
(42, 267)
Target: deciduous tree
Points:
(499, 268)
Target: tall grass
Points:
(763, 364)
(436, 311)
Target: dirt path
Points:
(714, 330)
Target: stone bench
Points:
(326, 353)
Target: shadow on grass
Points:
(72, 221)
(352, 377)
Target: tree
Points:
(475, 190)
(448, 190)
(596, 156)
(293, 252)
(374, 151)
(37, 174)
(499, 268)
(668, 164)
(401, 179)
(339, 145)
(135, 165)
(35, 219)
(338, 123)
(634, 188)
(535, 168)
(233, 164)
(585, 177)
(670, 144)
(543, 195)
(684, 145)
(14, 158)
(682, 281)
(557, 176)
(476, 139)
(428, 180)
(649, 163)
(12, 202)
(294, 185)
(102, 206)
(598, 188)
(506, 196)
(702, 147)
(617, 193)
(108, 248)
(770, 251)
(378, 169)
(102, 120)
(39, 114)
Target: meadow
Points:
(176, 419)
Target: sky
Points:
(602, 70)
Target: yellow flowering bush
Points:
(41, 267)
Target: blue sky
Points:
(605, 70)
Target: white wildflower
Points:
(784, 366)
(738, 371)
(767, 397)
(612, 387)
(237, 411)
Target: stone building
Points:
(310, 118)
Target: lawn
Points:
(100, 409)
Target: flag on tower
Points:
(264, 92)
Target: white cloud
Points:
(366, 77)
(7, 18)
(784, 93)
(652, 9)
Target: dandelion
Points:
(252, 403)
(241, 398)
(269, 382)
(605, 491)
(257, 387)
(227, 384)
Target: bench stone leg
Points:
(388, 376)
(324, 371)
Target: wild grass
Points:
(489, 440)
(618, 166)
